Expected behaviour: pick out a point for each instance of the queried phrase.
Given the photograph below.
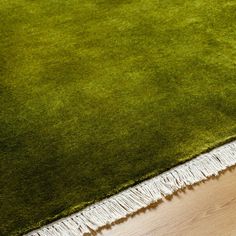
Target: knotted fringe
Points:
(143, 194)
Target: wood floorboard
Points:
(208, 208)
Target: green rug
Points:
(99, 95)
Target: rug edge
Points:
(142, 195)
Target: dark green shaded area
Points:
(97, 95)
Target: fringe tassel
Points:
(143, 194)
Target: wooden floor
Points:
(207, 209)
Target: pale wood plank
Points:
(207, 209)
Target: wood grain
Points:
(208, 208)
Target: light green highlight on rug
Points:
(99, 95)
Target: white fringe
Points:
(142, 195)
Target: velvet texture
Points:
(99, 95)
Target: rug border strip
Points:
(143, 194)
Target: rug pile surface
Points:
(99, 95)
